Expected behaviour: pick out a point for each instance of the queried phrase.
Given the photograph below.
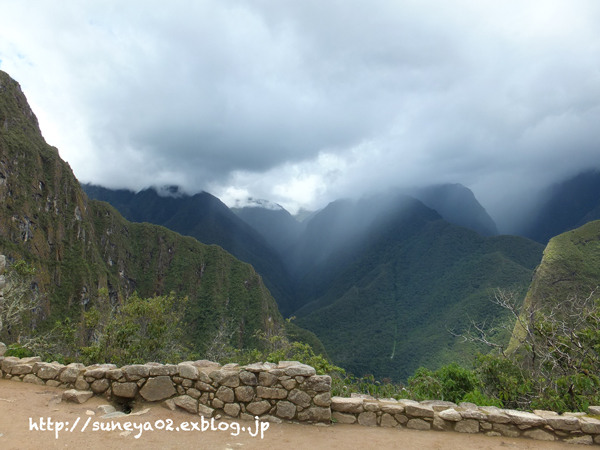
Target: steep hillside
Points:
(389, 311)
(567, 205)
(570, 266)
(80, 246)
(210, 221)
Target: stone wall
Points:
(288, 390)
(576, 428)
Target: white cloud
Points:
(304, 102)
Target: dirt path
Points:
(21, 402)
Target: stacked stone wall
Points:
(575, 428)
(285, 391)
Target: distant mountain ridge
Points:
(204, 217)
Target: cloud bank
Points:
(304, 102)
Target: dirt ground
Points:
(22, 405)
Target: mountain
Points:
(204, 217)
(277, 226)
(570, 266)
(458, 205)
(568, 205)
(388, 312)
(80, 245)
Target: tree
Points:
(20, 301)
(553, 357)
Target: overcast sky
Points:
(302, 102)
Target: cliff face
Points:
(80, 245)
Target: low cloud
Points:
(305, 102)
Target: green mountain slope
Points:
(389, 311)
(570, 266)
(80, 246)
(210, 221)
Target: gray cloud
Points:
(302, 102)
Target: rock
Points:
(157, 389)
(125, 390)
(392, 408)
(367, 419)
(187, 383)
(114, 374)
(300, 370)
(70, 374)
(226, 378)
(205, 411)
(594, 410)
(258, 408)
(440, 424)
(202, 386)
(401, 418)
(3, 348)
(506, 429)
(21, 369)
(315, 414)
(244, 393)
(323, 399)
(590, 425)
(247, 378)
(300, 398)
(99, 386)
(75, 396)
(232, 409)
(439, 405)
(468, 405)
(275, 393)
(217, 404)
(566, 423)
(225, 394)
(81, 384)
(545, 414)
(343, 418)
(538, 435)
(98, 372)
(266, 379)
(467, 426)
(135, 372)
(419, 410)
(451, 415)
(106, 409)
(371, 407)
(285, 410)
(194, 393)
(47, 371)
(31, 360)
(188, 371)
(169, 404)
(31, 378)
(318, 383)
(342, 404)
(186, 402)
(524, 418)
(8, 362)
(473, 414)
(51, 383)
(388, 421)
(288, 383)
(582, 440)
(418, 424)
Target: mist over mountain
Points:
(210, 221)
(565, 206)
(458, 205)
(277, 226)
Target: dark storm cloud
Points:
(302, 102)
